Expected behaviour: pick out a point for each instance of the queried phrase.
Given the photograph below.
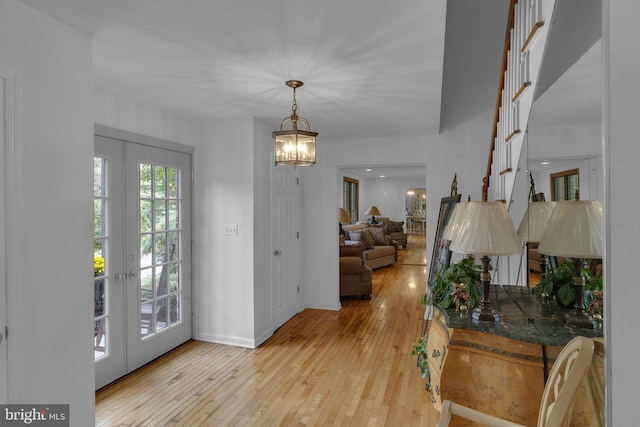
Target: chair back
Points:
(437, 351)
(595, 384)
(566, 376)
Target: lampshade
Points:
(343, 216)
(535, 221)
(373, 210)
(295, 147)
(486, 229)
(454, 225)
(574, 230)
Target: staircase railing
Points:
(524, 20)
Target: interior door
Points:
(143, 238)
(286, 299)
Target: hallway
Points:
(351, 367)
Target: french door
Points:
(142, 255)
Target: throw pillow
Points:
(367, 239)
(355, 236)
(378, 235)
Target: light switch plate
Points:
(231, 229)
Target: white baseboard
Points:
(226, 340)
(331, 307)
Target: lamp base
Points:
(580, 319)
(485, 314)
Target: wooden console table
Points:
(500, 368)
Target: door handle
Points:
(132, 274)
(277, 252)
(120, 277)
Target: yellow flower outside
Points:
(98, 266)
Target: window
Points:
(565, 185)
(350, 197)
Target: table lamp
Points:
(487, 230)
(373, 211)
(575, 232)
(532, 227)
(343, 218)
(455, 224)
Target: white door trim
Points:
(13, 227)
(123, 135)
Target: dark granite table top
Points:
(524, 317)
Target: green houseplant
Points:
(420, 349)
(460, 283)
(559, 282)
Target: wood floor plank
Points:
(350, 367)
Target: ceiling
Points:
(371, 68)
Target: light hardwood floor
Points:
(322, 368)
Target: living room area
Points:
(380, 207)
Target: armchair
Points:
(395, 230)
(355, 276)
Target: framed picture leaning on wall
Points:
(441, 255)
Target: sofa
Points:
(379, 249)
(355, 276)
(394, 229)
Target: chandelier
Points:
(295, 147)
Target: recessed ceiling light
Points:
(382, 176)
(368, 170)
(544, 163)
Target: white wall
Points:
(121, 112)
(622, 204)
(590, 176)
(262, 249)
(390, 195)
(582, 143)
(53, 331)
(224, 181)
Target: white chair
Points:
(416, 221)
(556, 407)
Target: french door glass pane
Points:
(573, 185)
(100, 240)
(354, 202)
(160, 290)
(559, 188)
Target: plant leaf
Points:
(565, 294)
